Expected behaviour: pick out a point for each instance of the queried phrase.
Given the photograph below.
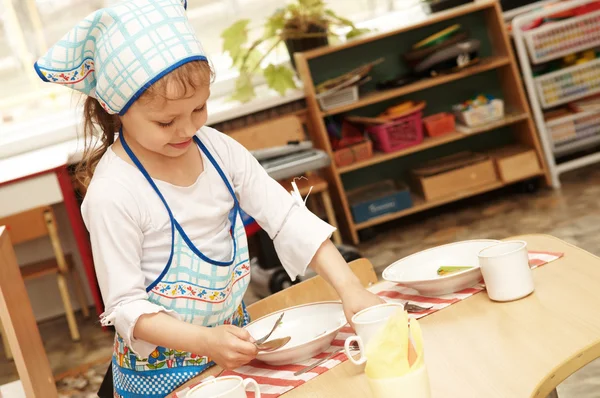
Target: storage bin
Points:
(377, 199)
(401, 133)
(515, 163)
(481, 114)
(454, 175)
(342, 97)
(439, 124)
(354, 153)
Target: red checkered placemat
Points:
(277, 380)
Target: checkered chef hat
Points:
(116, 53)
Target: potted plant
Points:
(301, 25)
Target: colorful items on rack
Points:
(562, 38)
(580, 58)
(579, 120)
(569, 84)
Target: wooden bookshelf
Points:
(496, 69)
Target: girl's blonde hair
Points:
(182, 83)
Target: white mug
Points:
(506, 272)
(366, 324)
(224, 387)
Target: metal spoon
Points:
(262, 340)
(274, 344)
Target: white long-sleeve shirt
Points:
(130, 229)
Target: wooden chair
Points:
(21, 330)
(34, 224)
(310, 291)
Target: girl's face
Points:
(167, 126)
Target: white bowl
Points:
(312, 328)
(419, 271)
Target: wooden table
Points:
(479, 348)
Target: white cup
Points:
(366, 324)
(224, 387)
(506, 272)
(414, 384)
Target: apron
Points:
(201, 290)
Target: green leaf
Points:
(274, 24)
(151, 366)
(244, 90)
(279, 78)
(340, 20)
(160, 365)
(253, 58)
(235, 37)
(356, 32)
(311, 4)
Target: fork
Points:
(262, 340)
(412, 307)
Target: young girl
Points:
(163, 205)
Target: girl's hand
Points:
(229, 346)
(357, 299)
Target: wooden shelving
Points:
(419, 204)
(485, 65)
(484, 19)
(435, 141)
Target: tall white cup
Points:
(366, 324)
(223, 387)
(506, 272)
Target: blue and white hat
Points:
(116, 53)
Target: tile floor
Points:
(572, 214)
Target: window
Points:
(24, 98)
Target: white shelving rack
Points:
(551, 41)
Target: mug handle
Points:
(362, 359)
(252, 382)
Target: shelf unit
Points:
(496, 68)
(549, 42)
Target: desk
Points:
(41, 178)
(477, 348)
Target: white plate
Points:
(312, 328)
(419, 271)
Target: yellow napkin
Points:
(390, 353)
